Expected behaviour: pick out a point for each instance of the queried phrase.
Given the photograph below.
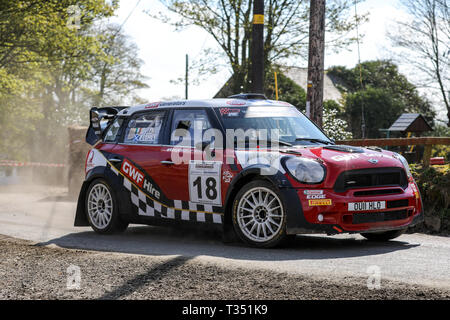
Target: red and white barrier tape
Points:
(13, 163)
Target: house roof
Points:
(300, 77)
(410, 122)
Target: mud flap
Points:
(80, 215)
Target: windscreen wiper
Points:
(314, 140)
(280, 142)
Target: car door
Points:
(140, 152)
(186, 176)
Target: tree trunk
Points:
(314, 96)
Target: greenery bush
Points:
(440, 130)
(434, 186)
(386, 94)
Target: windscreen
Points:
(293, 127)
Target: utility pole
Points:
(186, 78)
(314, 94)
(257, 48)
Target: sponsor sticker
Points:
(94, 159)
(132, 173)
(90, 161)
(229, 111)
(320, 202)
(345, 157)
(227, 176)
(135, 175)
(314, 194)
(171, 104)
(152, 105)
(236, 103)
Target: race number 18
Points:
(211, 188)
(204, 181)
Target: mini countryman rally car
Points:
(255, 167)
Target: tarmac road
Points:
(45, 216)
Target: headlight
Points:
(305, 170)
(405, 164)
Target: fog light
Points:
(320, 217)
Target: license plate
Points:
(366, 206)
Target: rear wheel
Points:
(383, 236)
(101, 208)
(259, 216)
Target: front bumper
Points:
(331, 213)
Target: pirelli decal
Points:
(320, 202)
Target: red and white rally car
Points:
(255, 167)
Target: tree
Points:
(36, 31)
(425, 42)
(52, 72)
(118, 77)
(385, 95)
(381, 109)
(36, 36)
(286, 29)
(107, 72)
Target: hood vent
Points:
(343, 148)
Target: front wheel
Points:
(383, 236)
(101, 208)
(259, 216)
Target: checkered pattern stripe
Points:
(174, 209)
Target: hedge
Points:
(434, 186)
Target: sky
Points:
(163, 49)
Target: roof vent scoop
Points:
(248, 96)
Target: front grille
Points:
(397, 203)
(370, 217)
(376, 192)
(368, 178)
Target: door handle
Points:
(168, 162)
(115, 160)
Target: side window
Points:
(185, 122)
(113, 130)
(145, 128)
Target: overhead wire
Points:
(126, 19)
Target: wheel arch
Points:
(124, 204)
(247, 175)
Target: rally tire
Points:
(259, 215)
(102, 208)
(383, 236)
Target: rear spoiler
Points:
(99, 119)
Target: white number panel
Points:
(204, 181)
